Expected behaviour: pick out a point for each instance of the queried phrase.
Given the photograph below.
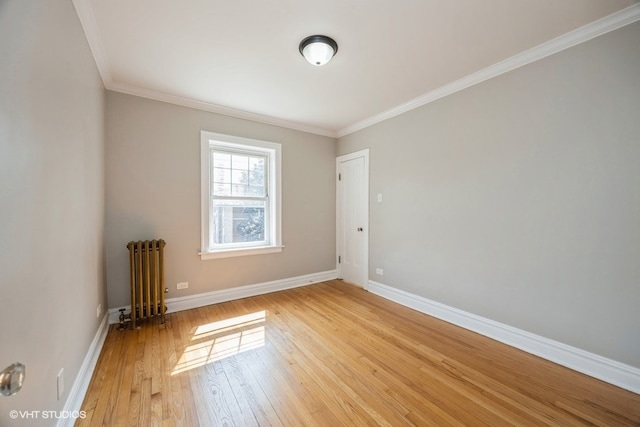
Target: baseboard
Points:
(602, 368)
(215, 297)
(81, 384)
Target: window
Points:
(240, 196)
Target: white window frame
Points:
(273, 229)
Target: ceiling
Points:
(241, 57)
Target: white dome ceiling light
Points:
(318, 50)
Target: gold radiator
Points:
(146, 258)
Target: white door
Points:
(353, 217)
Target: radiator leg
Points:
(121, 318)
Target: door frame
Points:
(365, 264)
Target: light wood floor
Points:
(332, 354)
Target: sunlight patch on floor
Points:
(224, 338)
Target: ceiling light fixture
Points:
(318, 50)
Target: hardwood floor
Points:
(332, 354)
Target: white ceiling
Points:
(241, 57)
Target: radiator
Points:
(146, 258)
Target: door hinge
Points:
(339, 177)
(339, 259)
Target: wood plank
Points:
(333, 354)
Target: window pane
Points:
(221, 175)
(221, 189)
(257, 182)
(239, 162)
(239, 190)
(256, 170)
(239, 178)
(221, 160)
(238, 175)
(236, 221)
(256, 191)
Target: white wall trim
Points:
(222, 295)
(81, 383)
(580, 35)
(213, 108)
(90, 27)
(85, 13)
(608, 370)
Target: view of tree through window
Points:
(239, 199)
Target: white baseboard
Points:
(81, 384)
(608, 370)
(215, 297)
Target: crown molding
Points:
(85, 13)
(90, 27)
(213, 108)
(580, 35)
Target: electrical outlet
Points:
(60, 379)
(182, 285)
(99, 311)
(379, 271)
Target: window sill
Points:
(228, 253)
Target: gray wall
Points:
(518, 199)
(153, 191)
(51, 199)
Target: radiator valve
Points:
(122, 318)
